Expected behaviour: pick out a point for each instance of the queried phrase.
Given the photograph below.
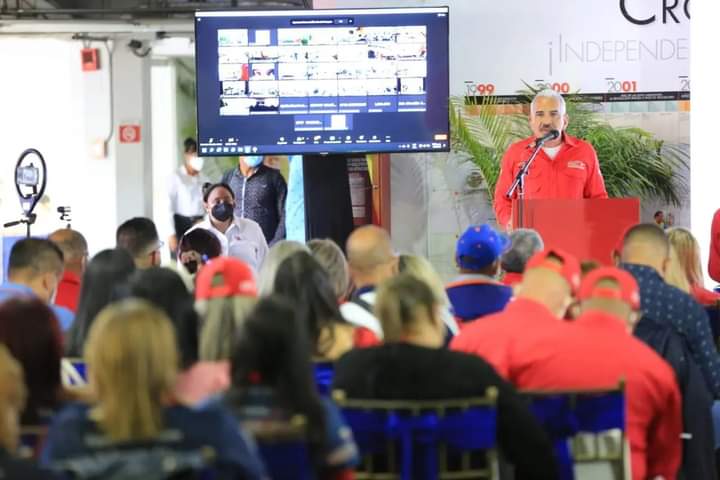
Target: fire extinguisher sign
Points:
(129, 133)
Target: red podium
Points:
(589, 229)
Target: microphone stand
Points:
(519, 183)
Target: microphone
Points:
(551, 135)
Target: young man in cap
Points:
(598, 350)
(546, 291)
(477, 292)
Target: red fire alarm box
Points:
(90, 59)
(129, 133)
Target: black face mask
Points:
(191, 266)
(222, 211)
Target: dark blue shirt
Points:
(260, 197)
(74, 436)
(474, 296)
(668, 305)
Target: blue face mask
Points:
(253, 161)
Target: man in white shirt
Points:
(185, 191)
(241, 238)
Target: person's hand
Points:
(172, 243)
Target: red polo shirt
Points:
(573, 174)
(495, 337)
(596, 351)
(68, 291)
(714, 260)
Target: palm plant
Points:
(633, 161)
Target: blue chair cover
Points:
(287, 460)
(419, 435)
(324, 372)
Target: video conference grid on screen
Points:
(323, 81)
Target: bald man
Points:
(371, 260)
(551, 278)
(645, 254)
(75, 252)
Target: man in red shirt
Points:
(75, 253)
(597, 350)
(714, 259)
(566, 167)
(543, 296)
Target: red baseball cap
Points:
(569, 270)
(627, 290)
(225, 277)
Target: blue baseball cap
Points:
(480, 246)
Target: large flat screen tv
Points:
(322, 81)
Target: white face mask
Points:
(196, 163)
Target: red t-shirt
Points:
(511, 279)
(68, 291)
(714, 260)
(573, 174)
(596, 351)
(493, 337)
(704, 296)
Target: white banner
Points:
(616, 47)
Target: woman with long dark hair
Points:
(104, 274)
(303, 280)
(272, 378)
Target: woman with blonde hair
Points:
(132, 361)
(422, 269)
(688, 257)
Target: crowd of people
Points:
(204, 353)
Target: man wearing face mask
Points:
(239, 237)
(565, 167)
(185, 191)
(260, 192)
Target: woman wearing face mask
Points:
(196, 248)
(241, 238)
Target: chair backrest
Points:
(140, 461)
(283, 447)
(324, 372)
(424, 440)
(32, 440)
(586, 427)
(73, 372)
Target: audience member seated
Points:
(688, 253)
(597, 350)
(165, 289)
(241, 238)
(413, 365)
(277, 253)
(132, 358)
(714, 257)
(75, 256)
(674, 274)
(542, 299)
(12, 402)
(140, 238)
(225, 294)
(422, 269)
(34, 269)
(196, 248)
(371, 260)
(29, 330)
(302, 280)
(332, 259)
(524, 243)
(476, 292)
(105, 272)
(272, 381)
(645, 255)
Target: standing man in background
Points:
(566, 167)
(260, 193)
(185, 190)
